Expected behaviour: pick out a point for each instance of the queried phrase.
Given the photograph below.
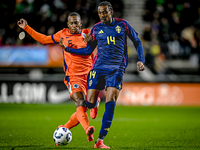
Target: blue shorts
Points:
(98, 79)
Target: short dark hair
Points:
(106, 3)
(74, 14)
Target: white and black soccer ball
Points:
(62, 136)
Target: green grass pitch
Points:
(31, 127)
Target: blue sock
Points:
(107, 119)
(90, 105)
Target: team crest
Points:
(90, 83)
(118, 29)
(120, 86)
(76, 86)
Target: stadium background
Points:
(170, 34)
(34, 99)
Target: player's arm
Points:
(43, 39)
(138, 45)
(81, 51)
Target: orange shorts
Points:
(76, 84)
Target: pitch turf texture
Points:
(31, 126)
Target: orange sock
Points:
(72, 122)
(82, 117)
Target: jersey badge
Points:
(90, 83)
(101, 31)
(120, 87)
(118, 29)
(76, 86)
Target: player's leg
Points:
(81, 114)
(114, 85)
(93, 100)
(77, 89)
(73, 121)
(111, 97)
(94, 111)
(95, 83)
(92, 96)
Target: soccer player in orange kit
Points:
(76, 68)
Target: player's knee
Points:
(79, 103)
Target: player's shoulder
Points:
(96, 25)
(85, 31)
(124, 23)
(121, 20)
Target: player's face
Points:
(105, 15)
(74, 24)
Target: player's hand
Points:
(22, 23)
(88, 38)
(140, 66)
(61, 43)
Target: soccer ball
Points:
(62, 136)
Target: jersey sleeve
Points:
(93, 43)
(56, 37)
(43, 39)
(133, 35)
(80, 51)
(86, 31)
(93, 34)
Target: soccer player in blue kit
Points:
(109, 65)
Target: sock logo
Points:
(106, 129)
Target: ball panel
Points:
(62, 136)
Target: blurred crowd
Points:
(171, 32)
(46, 16)
(171, 27)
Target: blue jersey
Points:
(112, 45)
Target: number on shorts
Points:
(92, 74)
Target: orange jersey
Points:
(73, 64)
